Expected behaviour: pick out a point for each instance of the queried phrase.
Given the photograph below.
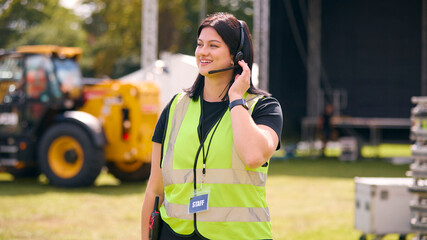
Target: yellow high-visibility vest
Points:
(237, 204)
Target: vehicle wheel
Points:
(130, 171)
(68, 158)
(402, 237)
(362, 237)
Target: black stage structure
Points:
(365, 56)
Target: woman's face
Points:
(212, 52)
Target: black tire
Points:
(68, 157)
(130, 171)
(402, 237)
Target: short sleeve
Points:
(268, 112)
(161, 124)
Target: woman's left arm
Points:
(255, 144)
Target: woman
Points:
(212, 144)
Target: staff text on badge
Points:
(198, 204)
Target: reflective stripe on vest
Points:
(237, 193)
(220, 214)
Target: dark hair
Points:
(228, 27)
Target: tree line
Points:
(110, 35)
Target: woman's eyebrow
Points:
(209, 40)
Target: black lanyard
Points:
(202, 138)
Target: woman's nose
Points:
(202, 50)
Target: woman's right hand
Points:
(241, 84)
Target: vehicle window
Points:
(11, 81)
(36, 76)
(69, 76)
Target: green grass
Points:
(314, 198)
(308, 199)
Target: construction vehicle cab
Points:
(43, 127)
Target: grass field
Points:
(308, 199)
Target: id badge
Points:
(199, 203)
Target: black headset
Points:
(239, 54)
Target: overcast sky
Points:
(80, 10)
(68, 3)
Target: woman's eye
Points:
(214, 46)
(199, 44)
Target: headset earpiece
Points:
(239, 54)
(238, 57)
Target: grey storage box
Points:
(382, 205)
(349, 149)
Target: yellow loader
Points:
(51, 123)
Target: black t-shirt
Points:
(326, 121)
(267, 112)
